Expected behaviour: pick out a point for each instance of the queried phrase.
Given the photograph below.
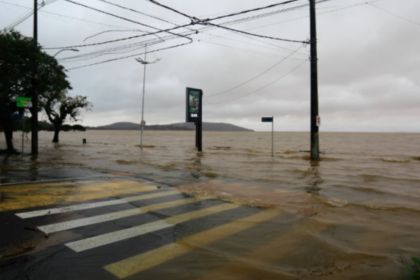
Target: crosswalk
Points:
(146, 210)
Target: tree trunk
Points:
(8, 134)
(6, 124)
(56, 132)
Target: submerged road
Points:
(127, 229)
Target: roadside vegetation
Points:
(20, 56)
(411, 268)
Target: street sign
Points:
(16, 116)
(24, 102)
(143, 123)
(318, 121)
(268, 119)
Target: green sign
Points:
(24, 102)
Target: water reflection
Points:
(314, 179)
(196, 166)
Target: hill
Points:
(207, 126)
(134, 126)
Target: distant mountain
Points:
(134, 126)
(207, 126)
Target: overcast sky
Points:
(369, 62)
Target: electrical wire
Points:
(97, 34)
(248, 43)
(64, 16)
(119, 58)
(398, 16)
(257, 35)
(224, 16)
(255, 91)
(259, 75)
(29, 14)
(195, 20)
(142, 13)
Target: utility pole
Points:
(34, 135)
(314, 85)
(142, 102)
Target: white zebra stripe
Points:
(113, 216)
(84, 206)
(112, 237)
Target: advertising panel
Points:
(194, 100)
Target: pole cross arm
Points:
(147, 62)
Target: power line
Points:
(152, 33)
(128, 30)
(243, 42)
(142, 13)
(224, 16)
(64, 16)
(194, 20)
(247, 50)
(261, 87)
(398, 16)
(257, 35)
(117, 40)
(256, 9)
(120, 17)
(101, 62)
(259, 75)
(127, 20)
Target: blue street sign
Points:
(16, 116)
(269, 119)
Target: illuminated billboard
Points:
(194, 104)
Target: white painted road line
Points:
(84, 206)
(113, 216)
(112, 237)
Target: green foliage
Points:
(411, 268)
(20, 59)
(61, 107)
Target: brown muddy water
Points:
(359, 206)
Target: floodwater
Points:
(358, 209)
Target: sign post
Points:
(194, 106)
(270, 119)
(23, 102)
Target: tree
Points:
(20, 56)
(60, 107)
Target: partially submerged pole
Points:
(314, 85)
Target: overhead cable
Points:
(259, 75)
(126, 19)
(398, 16)
(119, 58)
(128, 30)
(139, 12)
(281, 77)
(64, 16)
(257, 35)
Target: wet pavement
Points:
(117, 226)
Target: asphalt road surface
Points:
(127, 229)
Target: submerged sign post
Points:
(194, 114)
(270, 119)
(23, 102)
